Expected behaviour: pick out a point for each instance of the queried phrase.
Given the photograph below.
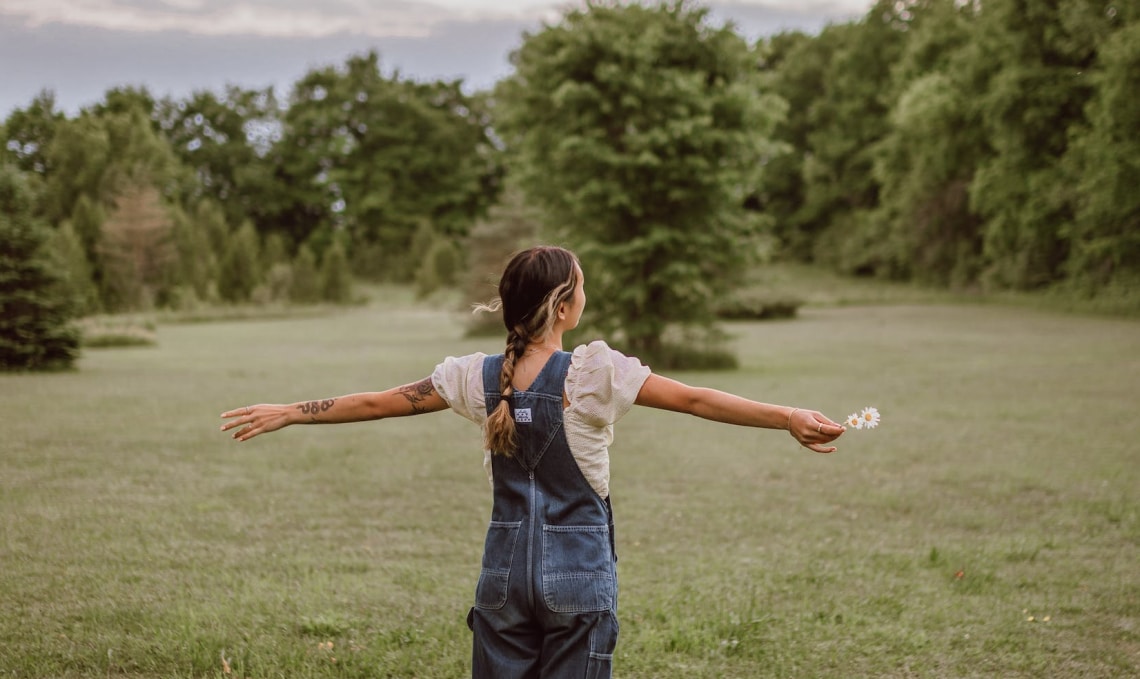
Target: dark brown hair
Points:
(534, 284)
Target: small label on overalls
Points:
(522, 415)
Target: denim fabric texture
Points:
(546, 599)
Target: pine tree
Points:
(36, 329)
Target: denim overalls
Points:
(546, 601)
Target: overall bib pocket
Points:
(577, 569)
(498, 552)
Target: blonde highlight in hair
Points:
(534, 284)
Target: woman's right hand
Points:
(813, 429)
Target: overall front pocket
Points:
(577, 569)
(498, 553)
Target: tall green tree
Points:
(137, 251)
(924, 228)
(226, 139)
(240, 269)
(638, 129)
(36, 307)
(375, 155)
(1031, 66)
(1104, 161)
(28, 133)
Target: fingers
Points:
(239, 412)
(245, 419)
(815, 430)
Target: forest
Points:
(959, 144)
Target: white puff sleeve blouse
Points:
(601, 386)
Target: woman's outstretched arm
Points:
(811, 428)
(411, 399)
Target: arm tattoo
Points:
(313, 407)
(417, 393)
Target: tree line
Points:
(952, 142)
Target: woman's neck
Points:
(549, 343)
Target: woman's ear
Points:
(562, 311)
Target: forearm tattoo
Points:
(417, 393)
(313, 407)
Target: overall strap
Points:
(551, 380)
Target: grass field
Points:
(989, 528)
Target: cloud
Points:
(268, 18)
(81, 48)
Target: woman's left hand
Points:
(255, 420)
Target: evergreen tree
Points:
(306, 284)
(70, 258)
(241, 265)
(36, 309)
(336, 278)
(137, 251)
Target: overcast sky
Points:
(80, 48)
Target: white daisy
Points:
(870, 417)
(853, 420)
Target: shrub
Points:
(751, 304)
(100, 332)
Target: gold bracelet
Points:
(790, 418)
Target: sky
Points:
(81, 48)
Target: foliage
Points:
(923, 227)
(960, 144)
(638, 130)
(752, 304)
(224, 138)
(379, 155)
(509, 227)
(241, 265)
(1105, 168)
(336, 279)
(36, 306)
(966, 145)
(121, 330)
(70, 260)
(305, 287)
(136, 251)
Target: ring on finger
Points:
(819, 429)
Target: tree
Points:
(241, 265)
(1029, 60)
(924, 228)
(36, 309)
(1104, 162)
(137, 251)
(509, 226)
(29, 132)
(306, 285)
(376, 155)
(70, 259)
(226, 140)
(847, 121)
(336, 279)
(638, 130)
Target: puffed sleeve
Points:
(602, 383)
(459, 381)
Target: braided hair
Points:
(534, 284)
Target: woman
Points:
(546, 597)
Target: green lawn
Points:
(989, 528)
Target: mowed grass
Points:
(989, 528)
